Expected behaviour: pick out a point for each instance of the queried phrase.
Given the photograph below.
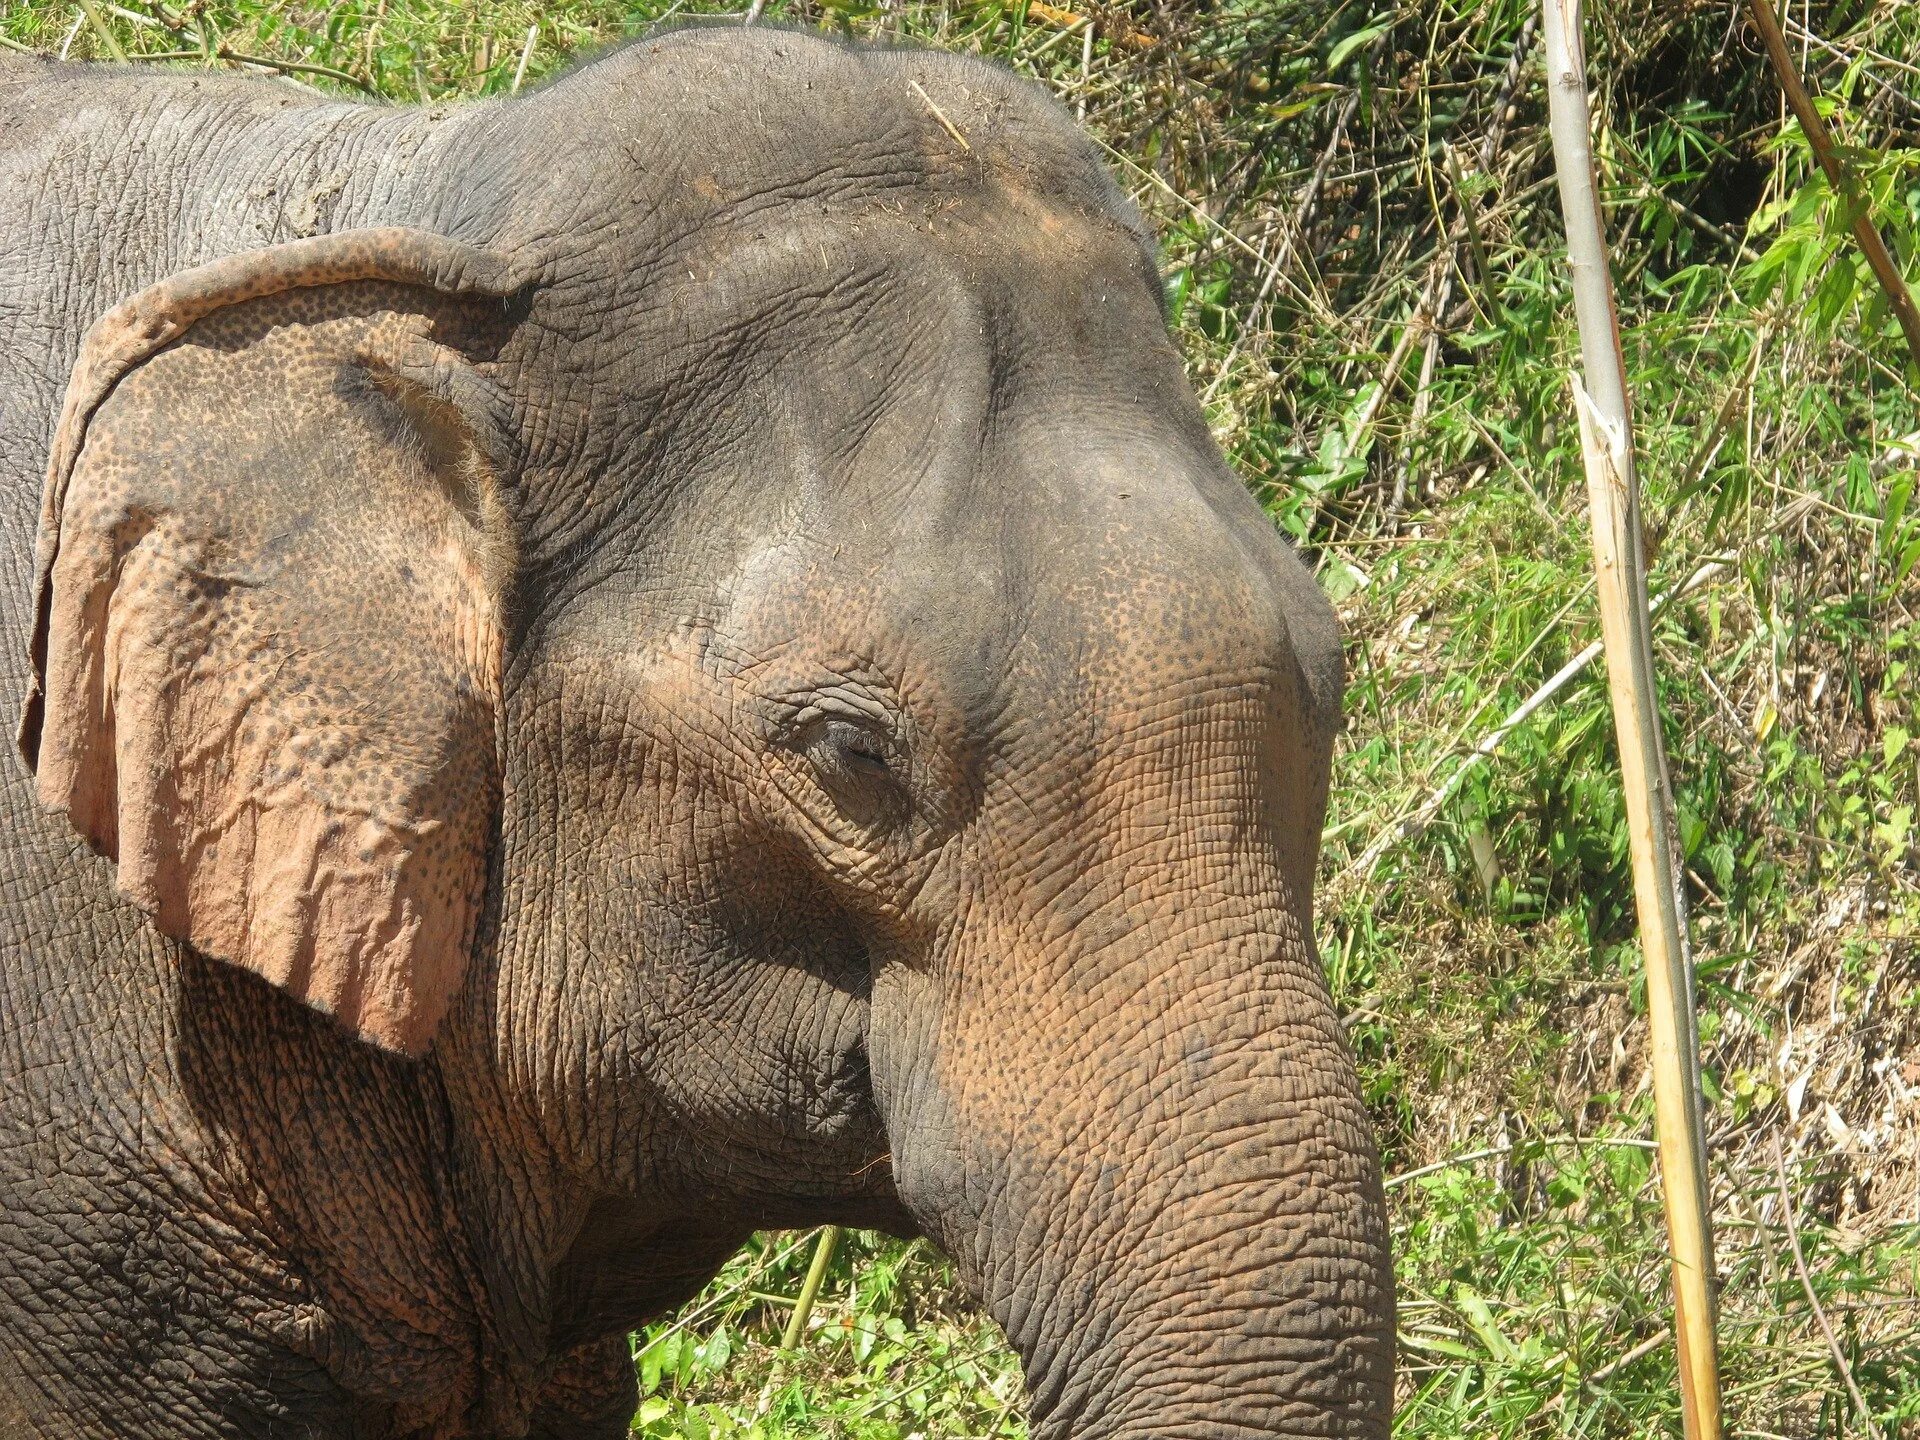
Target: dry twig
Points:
(1813, 1300)
(299, 67)
(1839, 175)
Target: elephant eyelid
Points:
(854, 745)
(858, 740)
(866, 748)
(866, 725)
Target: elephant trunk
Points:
(1161, 1180)
(1114, 1082)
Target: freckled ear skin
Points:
(267, 656)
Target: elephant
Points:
(606, 669)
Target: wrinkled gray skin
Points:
(840, 454)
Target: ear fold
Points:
(271, 565)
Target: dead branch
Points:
(1839, 175)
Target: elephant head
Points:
(714, 622)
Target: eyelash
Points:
(867, 750)
(856, 742)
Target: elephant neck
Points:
(514, 1212)
(333, 1160)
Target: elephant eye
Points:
(848, 745)
(856, 765)
(862, 749)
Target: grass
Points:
(1423, 457)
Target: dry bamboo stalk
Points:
(1606, 442)
(1839, 176)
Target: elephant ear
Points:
(268, 645)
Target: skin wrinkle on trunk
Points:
(776, 403)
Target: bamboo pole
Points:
(1606, 436)
(1840, 176)
(810, 1288)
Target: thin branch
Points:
(1621, 1142)
(1806, 1286)
(1296, 229)
(1431, 807)
(239, 58)
(1506, 103)
(1646, 1347)
(1839, 175)
(1793, 27)
(1422, 403)
(1613, 1367)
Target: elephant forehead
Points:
(659, 141)
(932, 110)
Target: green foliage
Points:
(893, 1352)
(1485, 963)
